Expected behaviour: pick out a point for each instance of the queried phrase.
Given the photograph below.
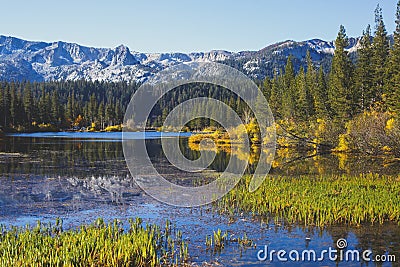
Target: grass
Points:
(99, 244)
(217, 241)
(319, 201)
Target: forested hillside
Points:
(352, 104)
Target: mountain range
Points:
(41, 61)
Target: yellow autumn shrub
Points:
(372, 133)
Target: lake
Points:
(82, 176)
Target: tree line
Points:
(27, 106)
(353, 106)
(35, 106)
(349, 88)
(338, 93)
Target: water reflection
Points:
(380, 239)
(53, 157)
(80, 158)
(65, 177)
(42, 170)
(293, 162)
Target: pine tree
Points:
(1, 104)
(321, 105)
(289, 94)
(20, 110)
(261, 109)
(392, 86)
(6, 106)
(55, 108)
(340, 81)
(311, 84)
(28, 104)
(365, 71)
(101, 114)
(92, 108)
(267, 87)
(118, 113)
(302, 109)
(43, 106)
(275, 99)
(13, 105)
(380, 52)
(70, 109)
(110, 114)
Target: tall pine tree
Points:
(311, 84)
(56, 111)
(341, 89)
(392, 86)
(275, 99)
(28, 105)
(321, 105)
(289, 94)
(302, 109)
(364, 73)
(380, 52)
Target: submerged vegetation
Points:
(321, 200)
(99, 244)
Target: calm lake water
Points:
(82, 176)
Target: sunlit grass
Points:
(217, 240)
(319, 200)
(99, 244)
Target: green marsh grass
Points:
(319, 201)
(245, 241)
(217, 241)
(99, 244)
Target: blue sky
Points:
(187, 26)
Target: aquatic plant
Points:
(324, 200)
(217, 241)
(245, 241)
(220, 238)
(99, 244)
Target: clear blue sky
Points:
(188, 25)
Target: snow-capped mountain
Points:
(41, 61)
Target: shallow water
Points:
(82, 176)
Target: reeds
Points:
(217, 241)
(99, 244)
(320, 201)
